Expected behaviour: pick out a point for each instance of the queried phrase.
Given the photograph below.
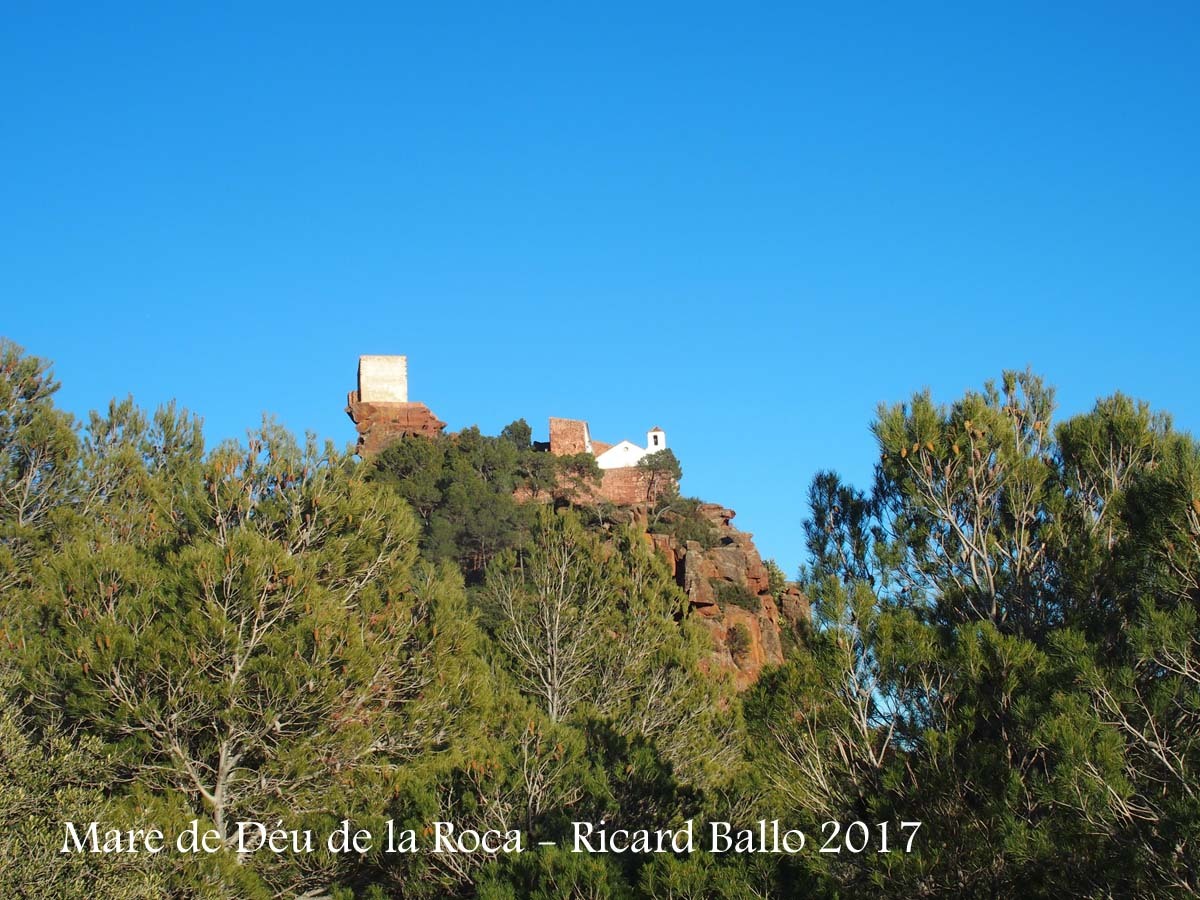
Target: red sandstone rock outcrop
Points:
(380, 423)
(729, 589)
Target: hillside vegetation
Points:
(1004, 647)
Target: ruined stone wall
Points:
(569, 437)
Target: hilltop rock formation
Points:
(728, 586)
(380, 423)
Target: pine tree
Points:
(1004, 648)
(253, 633)
(38, 472)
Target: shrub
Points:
(730, 593)
(775, 578)
(738, 640)
(681, 518)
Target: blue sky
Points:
(745, 223)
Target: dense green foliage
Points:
(1005, 647)
(681, 518)
(730, 594)
(463, 489)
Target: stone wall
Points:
(628, 486)
(624, 487)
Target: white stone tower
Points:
(383, 379)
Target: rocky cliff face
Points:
(729, 589)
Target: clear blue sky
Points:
(746, 223)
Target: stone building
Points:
(623, 482)
(627, 453)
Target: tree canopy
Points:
(1005, 649)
